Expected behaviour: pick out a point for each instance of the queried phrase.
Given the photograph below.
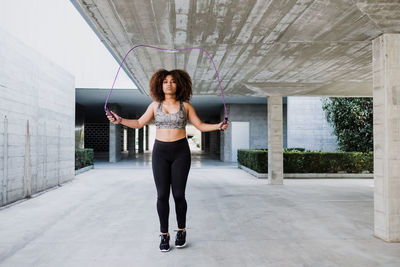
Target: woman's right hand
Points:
(112, 120)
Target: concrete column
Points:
(147, 137)
(121, 146)
(214, 142)
(386, 95)
(275, 140)
(226, 136)
(131, 142)
(141, 140)
(203, 136)
(207, 142)
(115, 136)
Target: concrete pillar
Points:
(115, 136)
(203, 136)
(214, 142)
(141, 140)
(226, 136)
(275, 140)
(131, 142)
(207, 142)
(146, 138)
(386, 95)
(285, 122)
(121, 145)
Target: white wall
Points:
(240, 137)
(307, 126)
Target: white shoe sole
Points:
(181, 246)
(163, 250)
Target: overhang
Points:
(261, 48)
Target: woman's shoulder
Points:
(186, 104)
(155, 103)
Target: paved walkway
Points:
(107, 217)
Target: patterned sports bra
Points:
(170, 120)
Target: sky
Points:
(55, 29)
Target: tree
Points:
(352, 120)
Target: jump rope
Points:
(173, 50)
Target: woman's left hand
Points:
(222, 126)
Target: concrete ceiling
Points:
(261, 48)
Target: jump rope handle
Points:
(109, 113)
(224, 122)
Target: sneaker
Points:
(164, 245)
(180, 240)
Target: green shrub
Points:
(83, 157)
(256, 159)
(352, 122)
(309, 162)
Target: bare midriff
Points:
(170, 135)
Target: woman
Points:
(171, 92)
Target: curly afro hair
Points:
(183, 84)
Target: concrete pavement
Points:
(107, 217)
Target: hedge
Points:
(309, 162)
(83, 157)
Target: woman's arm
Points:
(201, 126)
(146, 118)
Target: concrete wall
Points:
(307, 127)
(37, 92)
(256, 115)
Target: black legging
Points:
(171, 163)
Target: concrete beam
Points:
(385, 14)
